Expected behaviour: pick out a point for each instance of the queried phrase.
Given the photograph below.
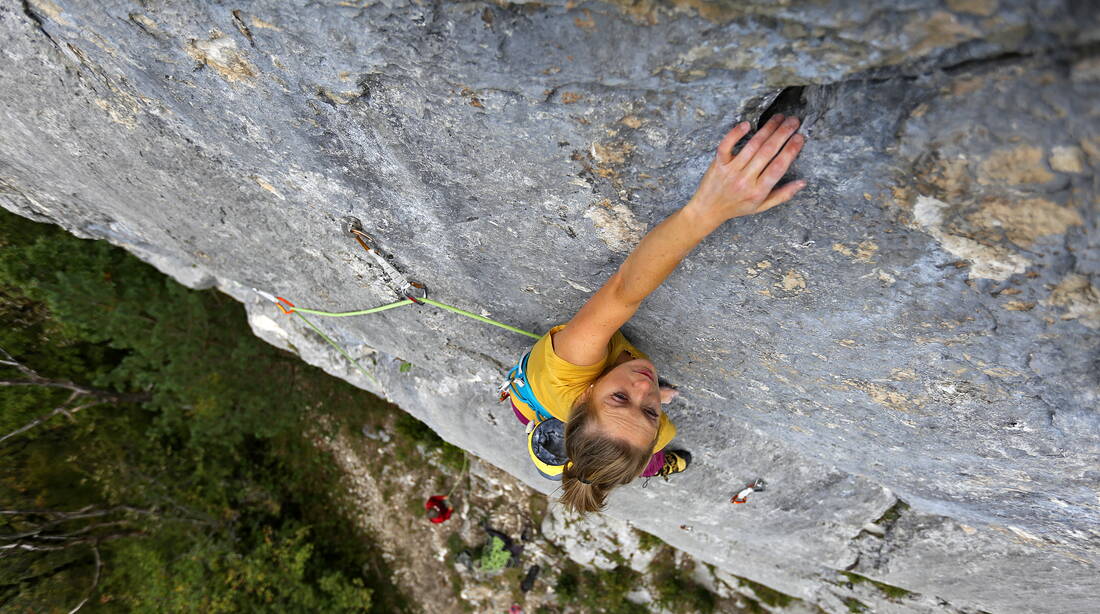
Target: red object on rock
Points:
(437, 508)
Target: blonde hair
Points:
(597, 463)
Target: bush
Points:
(598, 590)
(413, 431)
(270, 573)
(493, 556)
(676, 590)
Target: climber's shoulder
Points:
(584, 339)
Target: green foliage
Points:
(493, 556)
(598, 591)
(53, 582)
(415, 506)
(648, 541)
(455, 544)
(674, 588)
(208, 440)
(889, 590)
(855, 606)
(679, 593)
(767, 595)
(411, 432)
(405, 367)
(891, 515)
(615, 557)
(272, 572)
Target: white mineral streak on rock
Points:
(616, 225)
(577, 286)
(221, 54)
(261, 322)
(985, 261)
(1067, 159)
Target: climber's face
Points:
(627, 400)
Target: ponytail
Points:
(597, 463)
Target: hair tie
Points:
(569, 464)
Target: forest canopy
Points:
(155, 454)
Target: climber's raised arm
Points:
(733, 186)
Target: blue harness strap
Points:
(521, 388)
(545, 434)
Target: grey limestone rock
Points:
(907, 351)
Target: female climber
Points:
(591, 401)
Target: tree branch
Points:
(33, 547)
(44, 417)
(95, 579)
(10, 361)
(80, 513)
(35, 379)
(4, 550)
(37, 533)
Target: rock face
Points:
(907, 352)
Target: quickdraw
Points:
(757, 485)
(411, 292)
(405, 288)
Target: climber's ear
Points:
(667, 394)
(584, 397)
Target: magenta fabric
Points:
(521, 417)
(655, 463)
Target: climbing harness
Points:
(518, 385)
(757, 485)
(545, 433)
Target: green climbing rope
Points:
(339, 349)
(299, 311)
(461, 474)
(451, 308)
(361, 312)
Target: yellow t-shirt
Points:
(557, 383)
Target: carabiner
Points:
(756, 485)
